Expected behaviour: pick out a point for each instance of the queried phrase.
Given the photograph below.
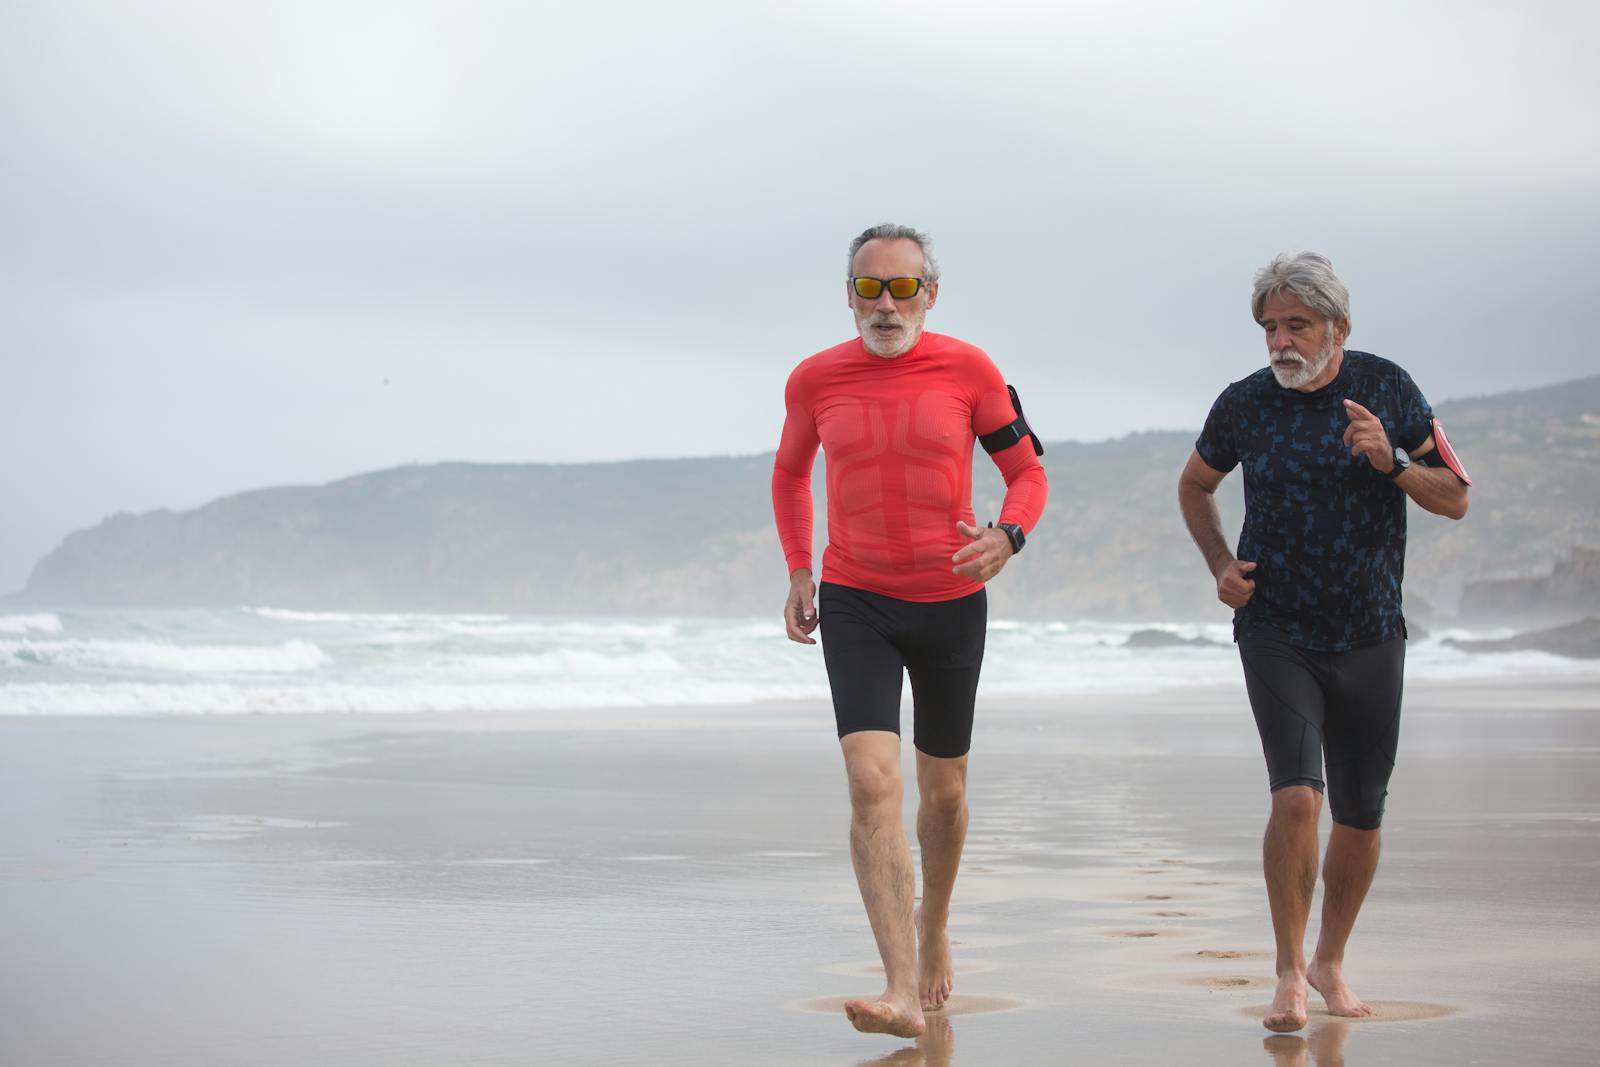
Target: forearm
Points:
(791, 483)
(1025, 498)
(1204, 520)
(791, 508)
(1027, 488)
(1435, 489)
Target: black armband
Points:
(1012, 432)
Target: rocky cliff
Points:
(695, 535)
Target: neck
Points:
(1329, 373)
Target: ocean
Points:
(264, 660)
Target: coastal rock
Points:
(1568, 591)
(695, 536)
(1578, 640)
(1167, 639)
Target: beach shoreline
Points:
(611, 885)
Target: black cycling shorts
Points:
(870, 642)
(1340, 706)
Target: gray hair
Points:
(1309, 277)
(888, 231)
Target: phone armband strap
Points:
(1012, 432)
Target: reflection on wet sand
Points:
(934, 1048)
(958, 1004)
(1324, 1047)
(1383, 1011)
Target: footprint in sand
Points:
(1230, 981)
(1211, 983)
(1229, 954)
(1171, 914)
(1133, 933)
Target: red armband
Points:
(1448, 454)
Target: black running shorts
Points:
(1342, 707)
(870, 642)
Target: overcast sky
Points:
(272, 243)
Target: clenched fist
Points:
(1235, 587)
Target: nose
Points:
(1277, 339)
(885, 302)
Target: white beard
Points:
(911, 332)
(1303, 372)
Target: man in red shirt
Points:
(897, 411)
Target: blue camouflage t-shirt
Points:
(1327, 532)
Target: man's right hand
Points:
(800, 611)
(1235, 587)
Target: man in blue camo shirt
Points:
(1331, 442)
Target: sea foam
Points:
(278, 661)
(44, 623)
(163, 656)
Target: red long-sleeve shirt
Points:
(898, 434)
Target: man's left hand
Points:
(988, 552)
(1365, 436)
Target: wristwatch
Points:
(1013, 534)
(1402, 462)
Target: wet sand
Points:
(674, 887)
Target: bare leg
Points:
(1289, 856)
(941, 831)
(1347, 873)
(882, 861)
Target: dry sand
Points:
(674, 888)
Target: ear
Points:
(933, 294)
(1341, 332)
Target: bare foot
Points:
(1288, 1005)
(885, 1017)
(1328, 979)
(936, 973)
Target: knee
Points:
(945, 800)
(873, 785)
(1299, 805)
